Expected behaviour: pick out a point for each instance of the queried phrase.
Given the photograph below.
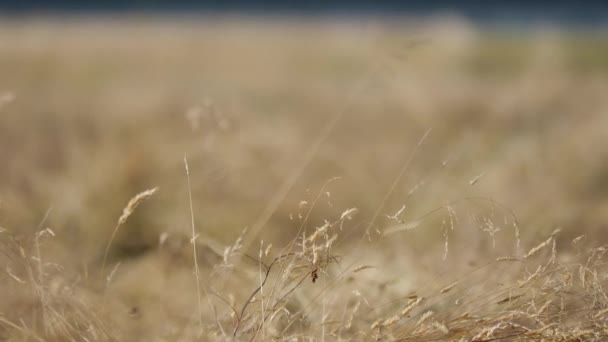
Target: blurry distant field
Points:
(94, 111)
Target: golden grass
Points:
(417, 182)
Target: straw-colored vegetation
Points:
(251, 180)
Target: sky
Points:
(580, 12)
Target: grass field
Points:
(315, 180)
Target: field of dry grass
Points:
(288, 179)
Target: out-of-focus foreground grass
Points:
(95, 111)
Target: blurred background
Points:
(271, 100)
(102, 100)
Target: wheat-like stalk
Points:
(127, 211)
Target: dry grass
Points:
(313, 205)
